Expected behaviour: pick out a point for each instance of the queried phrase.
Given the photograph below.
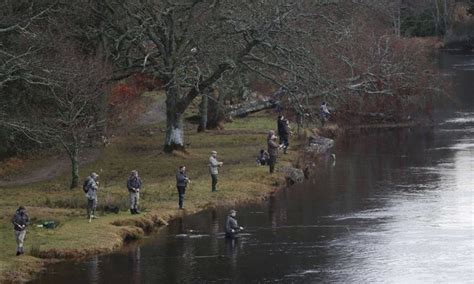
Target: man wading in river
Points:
(232, 228)
(134, 185)
(20, 221)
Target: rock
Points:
(319, 145)
(293, 175)
(111, 209)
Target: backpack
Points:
(85, 186)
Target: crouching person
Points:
(263, 158)
(232, 228)
(134, 185)
(20, 221)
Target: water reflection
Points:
(136, 271)
(93, 270)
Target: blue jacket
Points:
(134, 182)
(20, 218)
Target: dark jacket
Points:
(231, 224)
(20, 218)
(263, 158)
(134, 182)
(282, 127)
(181, 179)
(272, 148)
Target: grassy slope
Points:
(240, 180)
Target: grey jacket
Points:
(213, 165)
(231, 224)
(92, 187)
(181, 179)
(272, 148)
(20, 218)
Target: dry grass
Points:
(240, 180)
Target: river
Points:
(396, 207)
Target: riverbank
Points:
(240, 181)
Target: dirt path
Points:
(52, 168)
(58, 165)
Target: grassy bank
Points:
(240, 181)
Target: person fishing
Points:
(214, 164)
(324, 113)
(232, 228)
(91, 186)
(181, 182)
(20, 221)
(134, 186)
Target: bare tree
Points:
(191, 44)
(20, 50)
(18, 32)
(77, 101)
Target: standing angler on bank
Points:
(324, 113)
(232, 228)
(272, 150)
(284, 132)
(213, 169)
(134, 185)
(181, 182)
(20, 221)
(90, 187)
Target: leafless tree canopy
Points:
(191, 45)
(350, 52)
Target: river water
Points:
(396, 207)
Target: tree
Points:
(19, 21)
(51, 91)
(190, 44)
(20, 47)
(75, 115)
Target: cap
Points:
(213, 152)
(21, 208)
(232, 211)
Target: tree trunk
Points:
(174, 139)
(397, 20)
(75, 169)
(249, 107)
(437, 17)
(445, 16)
(216, 114)
(203, 113)
(73, 152)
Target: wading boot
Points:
(132, 211)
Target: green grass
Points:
(240, 180)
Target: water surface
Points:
(396, 207)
